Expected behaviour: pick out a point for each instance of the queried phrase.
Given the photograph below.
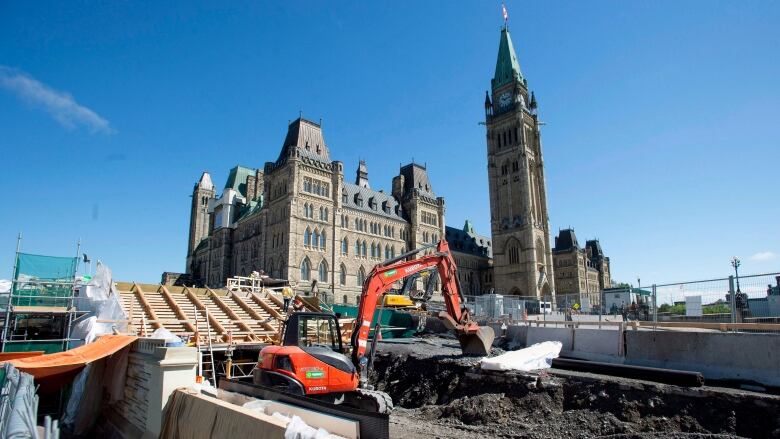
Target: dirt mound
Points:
(438, 394)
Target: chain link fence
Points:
(746, 304)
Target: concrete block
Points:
(517, 335)
(716, 355)
(598, 345)
(540, 334)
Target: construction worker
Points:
(287, 295)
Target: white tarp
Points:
(5, 285)
(534, 357)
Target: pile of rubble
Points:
(438, 392)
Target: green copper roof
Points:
(237, 179)
(507, 66)
(250, 209)
(468, 227)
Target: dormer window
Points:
(358, 200)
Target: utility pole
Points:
(736, 300)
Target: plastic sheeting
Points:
(18, 404)
(534, 357)
(100, 298)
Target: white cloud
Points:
(763, 256)
(59, 105)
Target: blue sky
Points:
(661, 137)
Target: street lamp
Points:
(735, 262)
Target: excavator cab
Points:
(318, 334)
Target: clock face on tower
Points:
(505, 99)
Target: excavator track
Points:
(383, 401)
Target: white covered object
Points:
(166, 335)
(534, 357)
(5, 285)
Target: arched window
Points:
(357, 248)
(514, 254)
(343, 278)
(315, 238)
(344, 246)
(307, 237)
(306, 210)
(322, 213)
(361, 276)
(326, 214)
(364, 249)
(322, 240)
(323, 271)
(344, 299)
(387, 252)
(392, 252)
(305, 269)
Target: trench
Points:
(439, 391)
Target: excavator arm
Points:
(473, 338)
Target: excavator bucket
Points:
(477, 343)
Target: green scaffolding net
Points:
(43, 280)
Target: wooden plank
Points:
(176, 308)
(269, 309)
(252, 313)
(218, 328)
(139, 293)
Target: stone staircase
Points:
(232, 317)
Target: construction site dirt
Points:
(438, 392)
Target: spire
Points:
(205, 182)
(488, 104)
(507, 66)
(362, 175)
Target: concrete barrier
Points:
(598, 345)
(754, 357)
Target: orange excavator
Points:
(311, 360)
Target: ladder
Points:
(206, 359)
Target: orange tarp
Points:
(5, 356)
(61, 363)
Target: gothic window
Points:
(306, 210)
(514, 254)
(326, 214)
(357, 249)
(515, 166)
(516, 134)
(322, 213)
(361, 276)
(305, 269)
(363, 252)
(343, 278)
(323, 271)
(315, 239)
(387, 252)
(322, 241)
(344, 246)
(307, 237)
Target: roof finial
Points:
(504, 13)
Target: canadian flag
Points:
(504, 12)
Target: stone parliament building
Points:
(299, 218)
(302, 218)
